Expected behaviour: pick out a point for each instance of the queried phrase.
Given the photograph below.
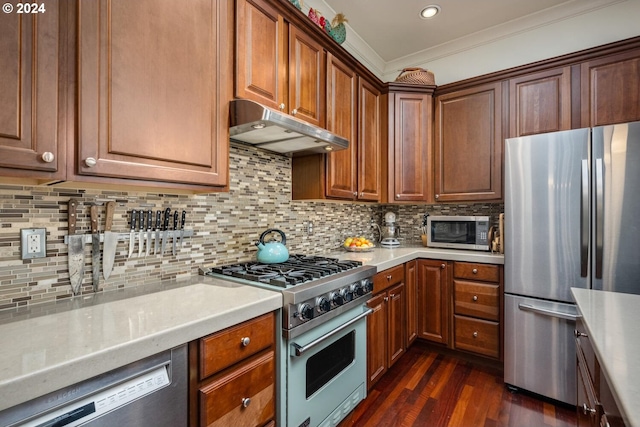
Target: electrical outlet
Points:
(34, 242)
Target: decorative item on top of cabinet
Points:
(407, 166)
(32, 145)
(610, 89)
(153, 93)
(434, 277)
(540, 102)
(354, 112)
(477, 300)
(386, 334)
(232, 376)
(468, 144)
(277, 64)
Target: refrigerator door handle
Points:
(584, 219)
(599, 211)
(544, 311)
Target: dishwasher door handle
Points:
(300, 350)
(546, 312)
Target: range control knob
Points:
(323, 305)
(368, 285)
(336, 299)
(306, 311)
(358, 290)
(346, 294)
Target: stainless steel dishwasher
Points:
(150, 392)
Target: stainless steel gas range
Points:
(322, 374)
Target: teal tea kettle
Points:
(272, 252)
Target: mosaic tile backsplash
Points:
(225, 225)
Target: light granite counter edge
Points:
(249, 303)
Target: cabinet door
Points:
(610, 89)
(341, 119)
(261, 54)
(412, 148)
(540, 102)
(433, 300)
(154, 90)
(29, 145)
(377, 339)
(468, 145)
(410, 281)
(306, 77)
(397, 323)
(369, 141)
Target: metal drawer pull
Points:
(588, 411)
(475, 297)
(475, 334)
(245, 341)
(300, 350)
(474, 271)
(578, 334)
(48, 157)
(246, 402)
(558, 314)
(443, 266)
(389, 277)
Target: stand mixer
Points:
(389, 232)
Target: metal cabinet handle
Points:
(588, 411)
(392, 296)
(48, 157)
(475, 297)
(397, 196)
(90, 161)
(294, 111)
(246, 401)
(474, 271)
(437, 196)
(355, 194)
(386, 299)
(578, 334)
(544, 311)
(361, 193)
(389, 277)
(475, 334)
(282, 106)
(443, 266)
(245, 341)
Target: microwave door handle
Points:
(300, 350)
(584, 219)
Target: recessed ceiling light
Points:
(429, 11)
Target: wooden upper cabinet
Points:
(341, 119)
(468, 144)
(369, 141)
(540, 102)
(29, 68)
(610, 89)
(277, 64)
(154, 91)
(409, 162)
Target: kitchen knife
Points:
(76, 250)
(182, 221)
(140, 232)
(165, 229)
(110, 242)
(175, 231)
(149, 232)
(95, 248)
(158, 228)
(132, 234)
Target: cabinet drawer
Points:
(223, 349)
(477, 299)
(244, 397)
(474, 271)
(478, 336)
(389, 277)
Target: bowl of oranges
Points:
(358, 244)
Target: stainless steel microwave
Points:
(458, 232)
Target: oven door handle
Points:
(300, 350)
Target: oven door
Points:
(326, 370)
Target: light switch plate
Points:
(33, 243)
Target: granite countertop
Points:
(384, 258)
(48, 347)
(612, 320)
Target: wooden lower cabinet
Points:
(433, 297)
(232, 376)
(386, 326)
(411, 281)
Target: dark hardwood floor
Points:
(427, 388)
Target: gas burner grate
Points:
(296, 270)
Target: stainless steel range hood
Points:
(264, 127)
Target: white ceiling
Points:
(393, 28)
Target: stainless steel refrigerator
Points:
(572, 219)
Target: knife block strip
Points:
(86, 238)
